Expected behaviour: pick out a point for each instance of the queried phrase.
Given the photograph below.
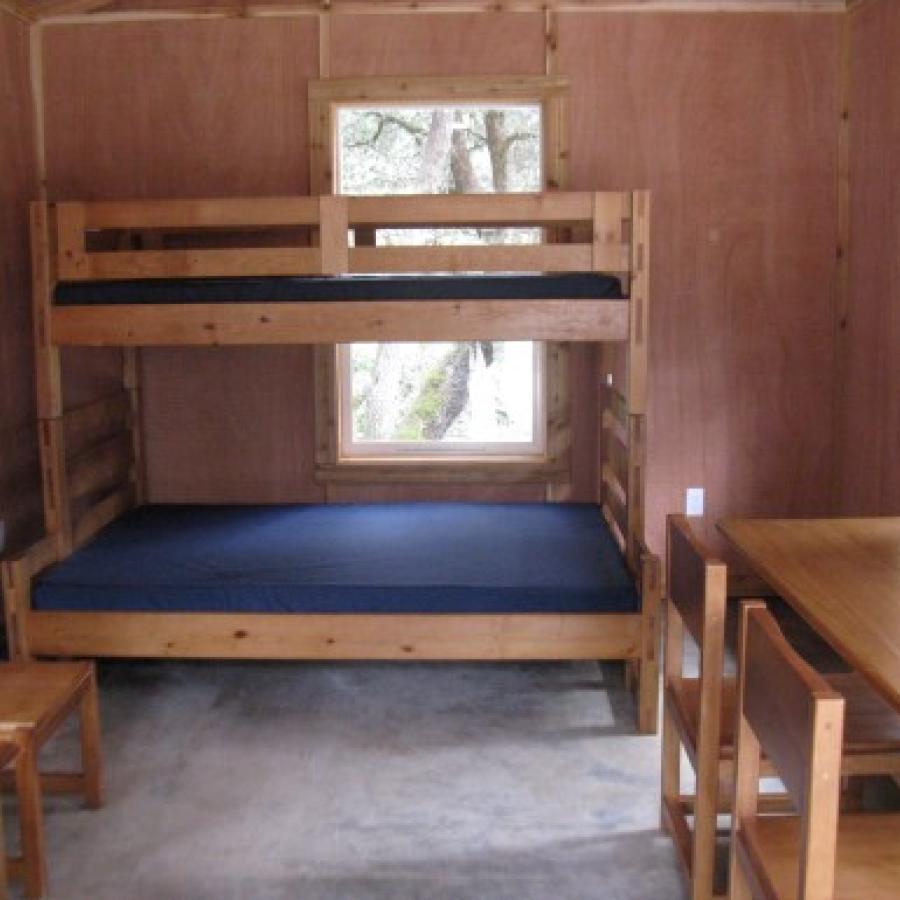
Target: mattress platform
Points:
(355, 558)
(335, 288)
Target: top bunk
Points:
(310, 270)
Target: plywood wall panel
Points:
(230, 425)
(870, 414)
(457, 44)
(730, 120)
(20, 503)
(180, 109)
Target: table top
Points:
(842, 576)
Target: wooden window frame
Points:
(325, 97)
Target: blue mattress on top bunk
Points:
(353, 558)
(335, 288)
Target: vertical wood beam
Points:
(640, 303)
(131, 380)
(636, 392)
(650, 581)
(325, 40)
(551, 42)
(333, 226)
(36, 82)
(47, 360)
(51, 437)
(57, 512)
(842, 263)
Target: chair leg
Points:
(671, 763)
(31, 819)
(739, 887)
(648, 696)
(91, 752)
(704, 847)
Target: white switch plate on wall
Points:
(693, 502)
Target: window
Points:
(435, 400)
(441, 408)
(480, 398)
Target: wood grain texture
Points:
(731, 122)
(458, 44)
(178, 109)
(843, 576)
(729, 119)
(870, 415)
(20, 491)
(229, 425)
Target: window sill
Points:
(504, 470)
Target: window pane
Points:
(444, 393)
(439, 150)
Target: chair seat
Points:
(34, 695)
(870, 726)
(868, 855)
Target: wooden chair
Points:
(793, 715)
(699, 712)
(696, 711)
(35, 698)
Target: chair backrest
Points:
(696, 583)
(788, 712)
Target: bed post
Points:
(640, 560)
(57, 515)
(131, 380)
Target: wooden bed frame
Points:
(92, 456)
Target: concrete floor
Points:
(360, 782)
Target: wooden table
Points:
(842, 576)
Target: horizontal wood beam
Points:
(101, 467)
(212, 324)
(215, 213)
(478, 210)
(334, 637)
(93, 422)
(388, 7)
(101, 514)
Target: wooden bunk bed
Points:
(200, 272)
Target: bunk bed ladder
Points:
(623, 452)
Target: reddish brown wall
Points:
(731, 120)
(20, 502)
(870, 408)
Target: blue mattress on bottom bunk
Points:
(353, 558)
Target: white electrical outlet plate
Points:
(693, 502)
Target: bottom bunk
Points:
(435, 581)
